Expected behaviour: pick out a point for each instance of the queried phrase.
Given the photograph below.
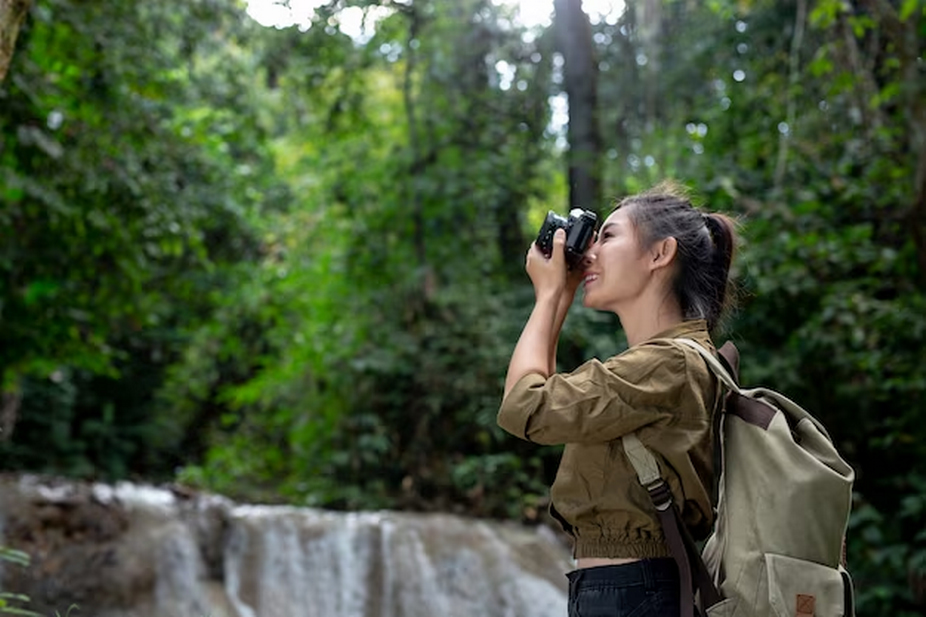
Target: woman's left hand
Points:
(548, 274)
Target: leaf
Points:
(821, 64)
(825, 12)
(13, 193)
(14, 556)
(908, 8)
(19, 611)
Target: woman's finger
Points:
(558, 257)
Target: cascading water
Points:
(137, 551)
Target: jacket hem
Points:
(618, 549)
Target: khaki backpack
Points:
(783, 501)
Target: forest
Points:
(286, 263)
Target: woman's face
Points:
(617, 266)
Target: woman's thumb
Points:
(559, 246)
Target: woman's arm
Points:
(536, 347)
(573, 280)
(600, 401)
(537, 343)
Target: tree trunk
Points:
(649, 26)
(9, 413)
(794, 77)
(580, 76)
(12, 13)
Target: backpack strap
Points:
(691, 566)
(715, 365)
(681, 544)
(729, 357)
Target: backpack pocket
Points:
(804, 588)
(724, 608)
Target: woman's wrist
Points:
(548, 296)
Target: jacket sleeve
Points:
(599, 401)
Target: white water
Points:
(209, 557)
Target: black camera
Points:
(579, 226)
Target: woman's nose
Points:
(589, 258)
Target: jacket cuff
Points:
(520, 404)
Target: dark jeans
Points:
(647, 588)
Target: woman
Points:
(663, 267)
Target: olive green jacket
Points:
(660, 389)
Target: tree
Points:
(12, 14)
(580, 76)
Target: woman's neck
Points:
(645, 320)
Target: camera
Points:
(579, 226)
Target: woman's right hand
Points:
(548, 274)
(575, 276)
(574, 279)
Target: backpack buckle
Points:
(660, 493)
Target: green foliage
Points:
(9, 600)
(131, 182)
(889, 551)
(410, 242)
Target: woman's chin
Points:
(587, 302)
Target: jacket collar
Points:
(691, 328)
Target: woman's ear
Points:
(663, 252)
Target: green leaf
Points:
(14, 556)
(37, 291)
(13, 194)
(825, 12)
(909, 7)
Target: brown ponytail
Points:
(723, 235)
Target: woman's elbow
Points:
(510, 423)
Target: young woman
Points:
(663, 267)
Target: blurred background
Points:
(274, 250)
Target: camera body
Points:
(579, 226)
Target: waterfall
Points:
(129, 550)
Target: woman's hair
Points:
(706, 245)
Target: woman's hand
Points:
(574, 279)
(548, 274)
(555, 288)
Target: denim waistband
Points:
(646, 572)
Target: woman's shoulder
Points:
(665, 353)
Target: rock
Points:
(133, 550)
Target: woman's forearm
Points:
(537, 343)
(562, 309)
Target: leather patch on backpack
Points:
(750, 410)
(805, 605)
